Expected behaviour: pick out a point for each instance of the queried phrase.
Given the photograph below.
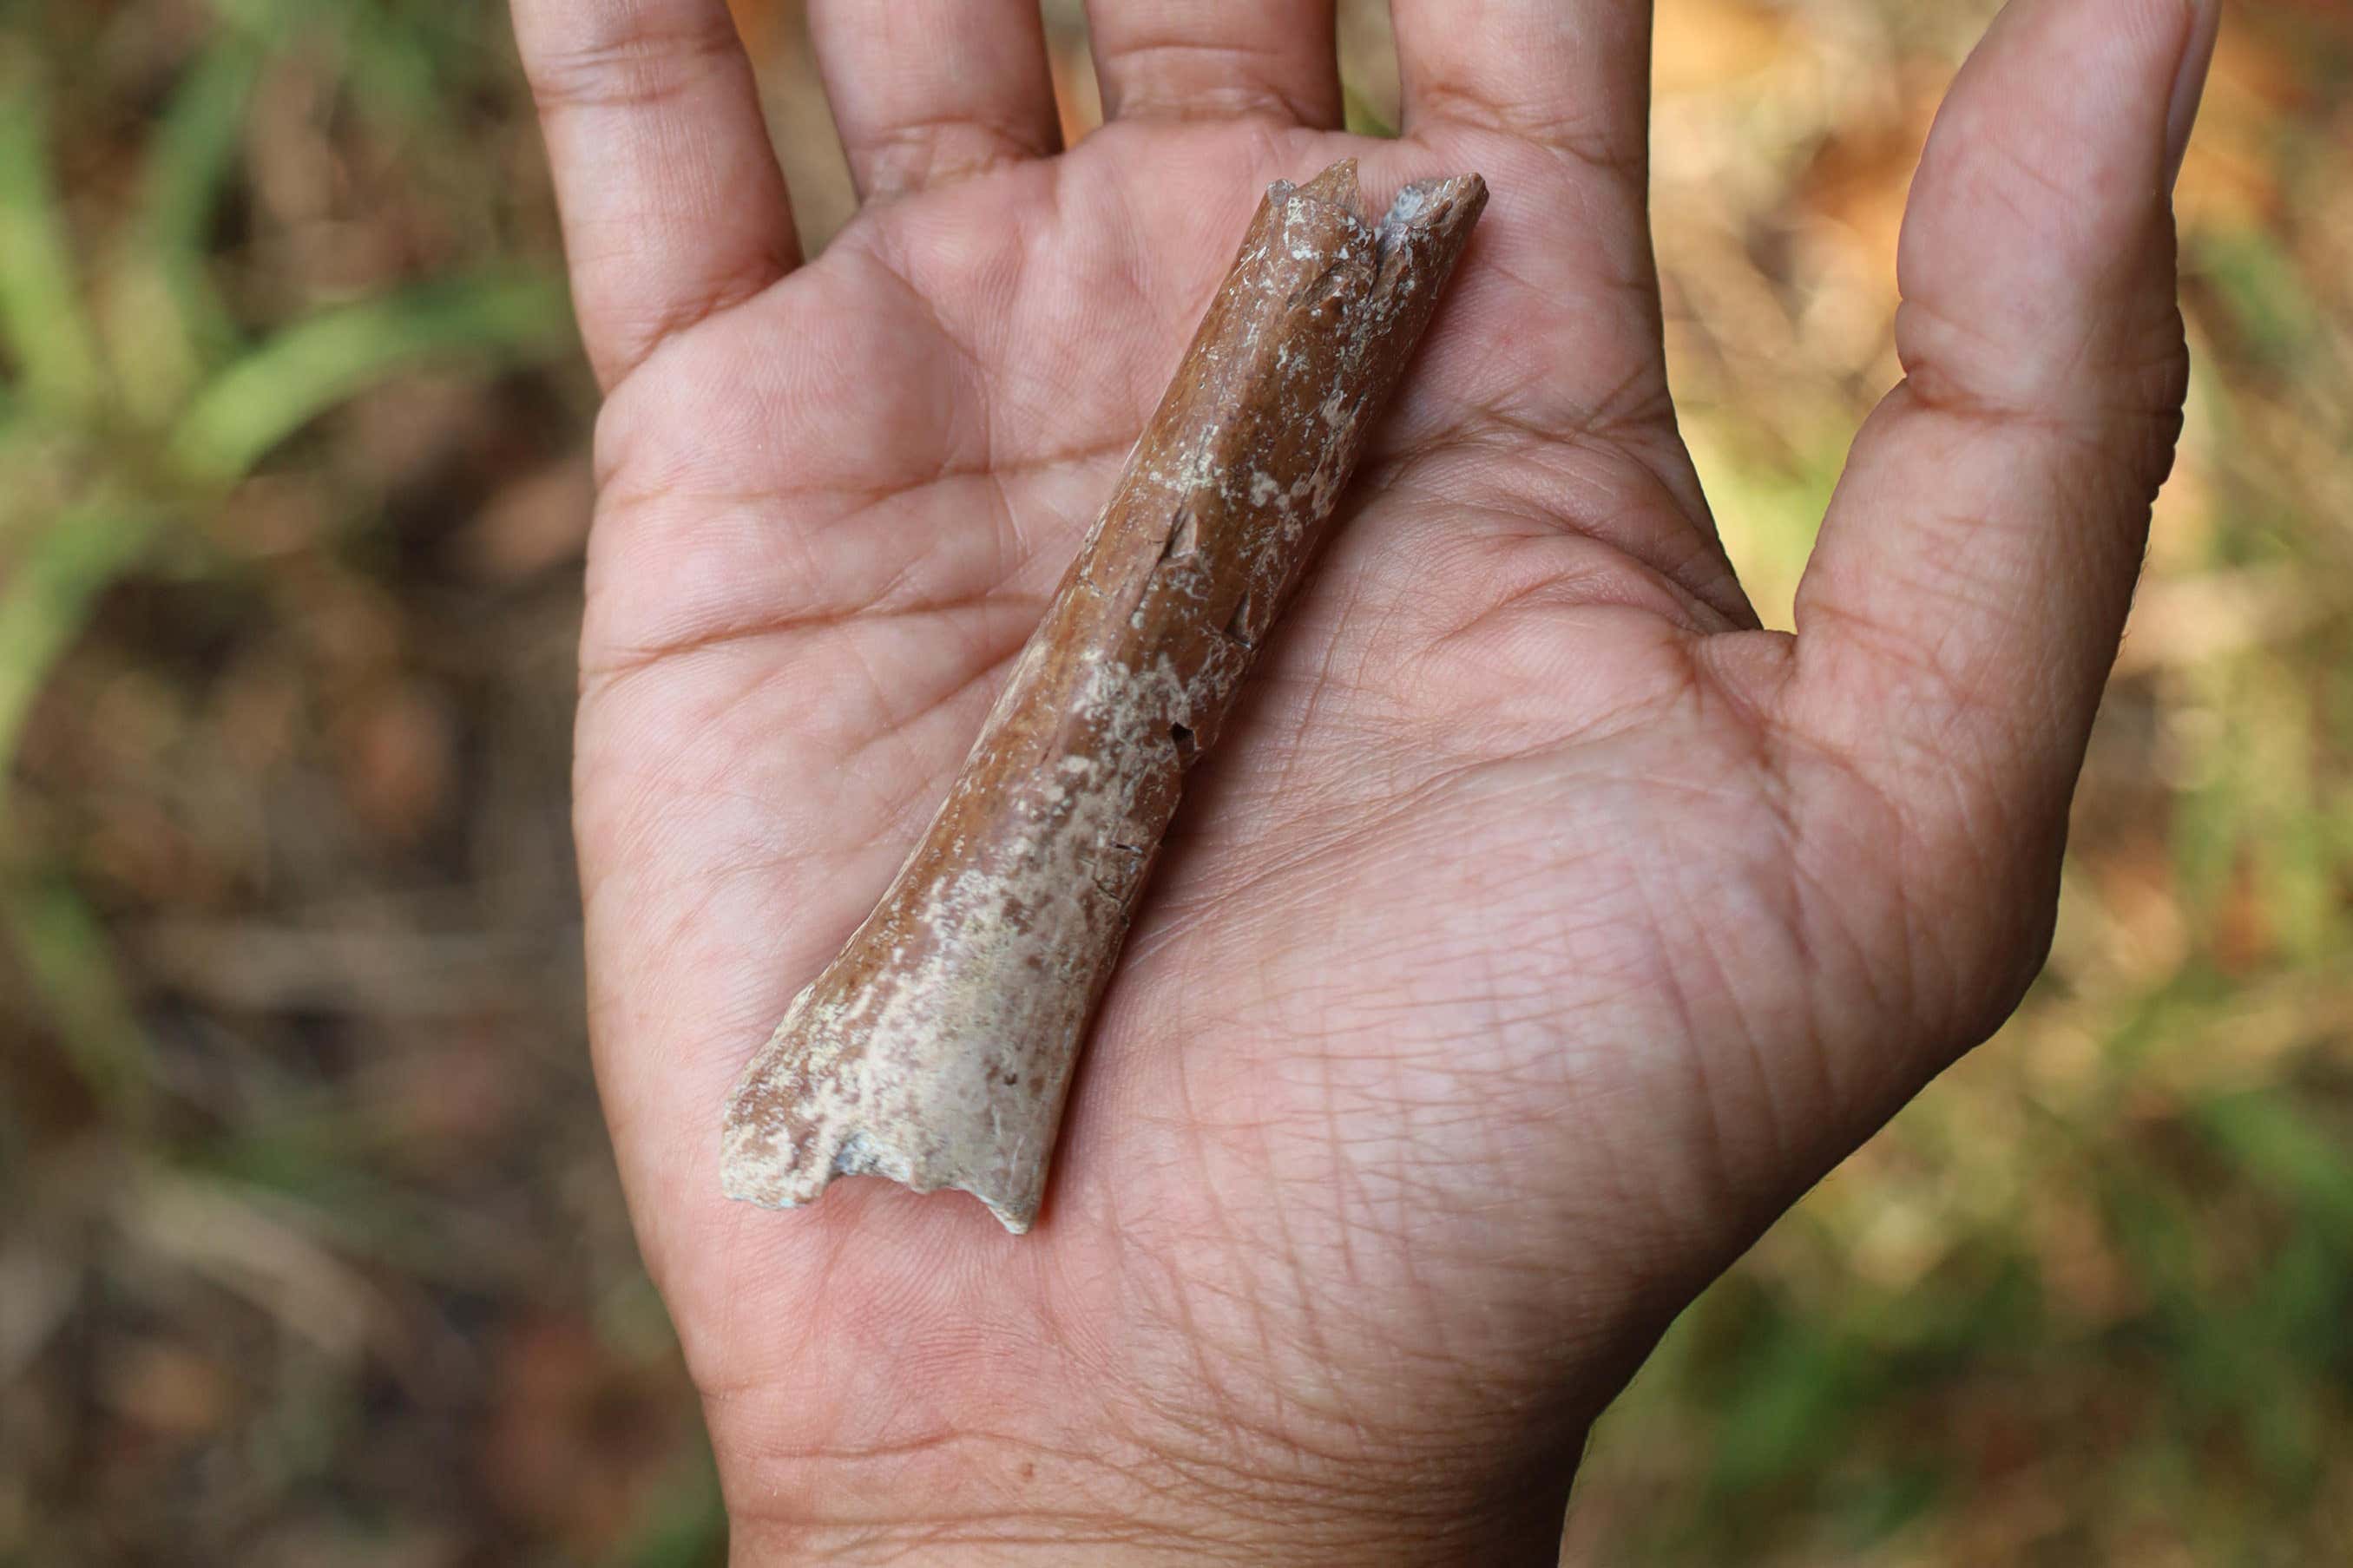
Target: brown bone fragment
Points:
(937, 1049)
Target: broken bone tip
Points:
(1422, 205)
(1338, 185)
(753, 1169)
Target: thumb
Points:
(1962, 605)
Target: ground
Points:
(312, 1252)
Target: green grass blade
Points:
(71, 961)
(48, 597)
(44, 322)
(2272, 1138)
(309, 368)
(195, 142)
(43, 608)
(166, 323)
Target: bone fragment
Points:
(937, 1049)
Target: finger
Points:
(1963, 606)
(1569, 76)
(1205, 59)
(673, 205)
(930, 90)
(1549, 98)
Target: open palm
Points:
(1540, 928)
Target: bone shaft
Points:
(938, 1049)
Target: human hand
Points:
(1541, 927)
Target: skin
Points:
(1540, 929)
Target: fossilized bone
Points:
(938, 1049)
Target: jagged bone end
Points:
(902, 1068)
(938, 1047)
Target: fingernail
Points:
(2189, 84)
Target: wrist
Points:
(982, 1498)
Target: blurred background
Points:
(311, 1249)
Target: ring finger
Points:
(1186, 59)
(931, 90)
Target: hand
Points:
(1541, 928)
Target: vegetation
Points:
(312, 1252)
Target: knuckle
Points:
(1185, 78)
(632, 64)
(919, 154)
(1578, 136)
